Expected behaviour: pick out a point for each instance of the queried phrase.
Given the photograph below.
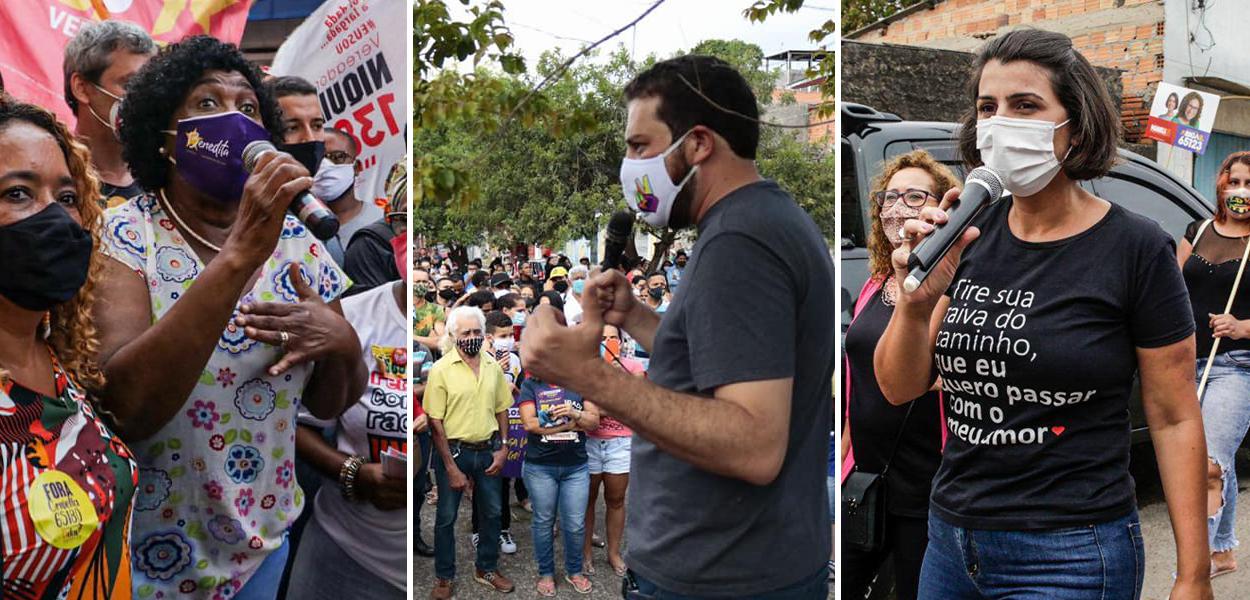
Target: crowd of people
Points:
(176, 345)
(474, 315)
(701, 406)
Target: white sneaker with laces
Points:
(506, 544)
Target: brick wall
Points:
(1119, 34)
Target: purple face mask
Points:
(208, 152)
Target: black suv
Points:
(869, 138)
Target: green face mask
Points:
(420, 288)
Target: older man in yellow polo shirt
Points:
(467, 400)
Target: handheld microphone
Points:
(312, 212)
(983, 188)
(620, 230)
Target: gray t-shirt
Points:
(756, 302)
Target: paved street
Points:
(1161, 550)
(520, 567)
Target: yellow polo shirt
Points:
(466, 404)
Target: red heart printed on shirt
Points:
(1058, 429)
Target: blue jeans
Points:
(473, 463)
(1225, 418)
(813, 587)
(558, 489)
(420, 475)
(1103, 560)
(263, 584)
(324, 571)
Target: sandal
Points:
(546, 587)
(579, 582)
(1218, 571)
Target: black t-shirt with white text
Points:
(1037, 353)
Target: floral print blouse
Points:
(217, 487)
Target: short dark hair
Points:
(351, 141)
(554, 297)
(479, 278)
(702, 90)
(497, 320)
(658, 274)
(289, 85)
(638, 278)
(1094, 119)
(508, 300)
(481, 298)
(158, 89)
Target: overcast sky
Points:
(540, 25)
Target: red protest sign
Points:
(34, 33)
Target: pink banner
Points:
(34, 33)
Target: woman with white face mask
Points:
(1036, 333)
(1210, 258)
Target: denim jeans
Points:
(1102, 560)
(1225, 418)
(323, 570)
(264, 582)
(420, 475)
(473, 463)
(813, 587)
(558, 489)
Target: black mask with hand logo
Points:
(308, 154)
(44, 259)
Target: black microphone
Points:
(311, 211)
(983, 188)
(620, 230)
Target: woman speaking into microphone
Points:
(218, 318)
(1036, 333)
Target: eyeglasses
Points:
(911, 197)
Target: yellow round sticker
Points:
(62, 512)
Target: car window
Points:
(1146, 200)
(852, 223)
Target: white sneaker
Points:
(506, 543)
(475, 539)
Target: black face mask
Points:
(43, 259)
(430, 296)
(470, 346)
(656, 293)
(308, 154)
(448, 294)
(561, 286)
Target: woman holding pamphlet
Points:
(556, 474)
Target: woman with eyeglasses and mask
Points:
(1037, 331)
(218, 318)
(1210, 258)
(68, 479)
(908, 437)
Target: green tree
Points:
(858, 13)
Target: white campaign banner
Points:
(355, 52)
